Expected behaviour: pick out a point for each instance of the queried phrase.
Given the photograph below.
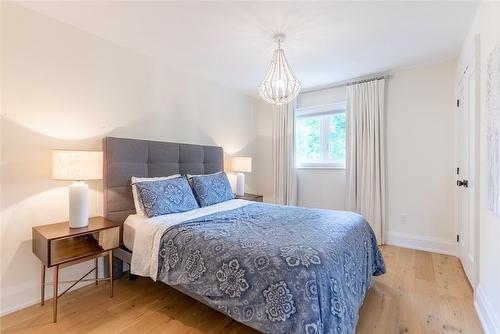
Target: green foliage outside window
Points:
(337, 137)
(308, 138)
(309, 134)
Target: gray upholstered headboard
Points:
(124, 158)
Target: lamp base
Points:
(240, 184)
(78, 205)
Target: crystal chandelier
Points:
(280, 85)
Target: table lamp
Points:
(241, 165)
(77, 166)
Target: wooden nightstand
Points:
(59, 246)
(250, 197)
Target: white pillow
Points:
(192, 175)
(139, 209)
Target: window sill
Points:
(320, 167)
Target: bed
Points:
(275, 268)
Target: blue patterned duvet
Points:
(278, 269)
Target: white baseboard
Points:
(489, 319)
(29, 295)
(424, 243)
(17, 297)
(17, 307)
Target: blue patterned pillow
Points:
(166, 196)
(211, 188)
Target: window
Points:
(320, 136)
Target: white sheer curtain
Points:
(365, 153)
(285, 179)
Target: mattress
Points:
(130, 227)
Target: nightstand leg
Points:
(42, 284)
(96, 271)
(55, 293)
(111, 272)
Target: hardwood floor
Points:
(421, 293)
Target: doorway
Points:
(466, 170)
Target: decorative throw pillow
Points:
(139, 210)
(211, 188)
(166, 196)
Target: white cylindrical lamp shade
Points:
(241, 165)
(77, 166)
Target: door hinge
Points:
(458, 238)
(458, 103)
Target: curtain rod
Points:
(366, 80)
(348, 83)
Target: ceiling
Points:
(231, 42)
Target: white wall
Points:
(420, 157)
(264, 163)
(321, 188)
(486, 24)
(66, 89)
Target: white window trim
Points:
(326, 109)
(321, 109)
(321, 165)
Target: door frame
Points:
(470, 57)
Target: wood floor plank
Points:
(424, 266)
(421, 293)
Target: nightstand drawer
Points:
(74, 247)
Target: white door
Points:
(465, 171)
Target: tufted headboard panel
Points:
(124, 158)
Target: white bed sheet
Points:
(148, 232)
(132, 223)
